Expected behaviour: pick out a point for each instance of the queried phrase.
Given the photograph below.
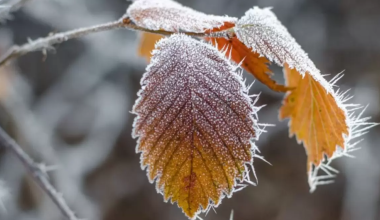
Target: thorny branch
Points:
(43, 44)
(39, 174)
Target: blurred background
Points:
(71, 109)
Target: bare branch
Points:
(43, 44)
(6, 9)
(38, 173)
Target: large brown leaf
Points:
(195, 124)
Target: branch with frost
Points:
(38, 173)
(44, 44)
(8, 8)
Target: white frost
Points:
(171, 16)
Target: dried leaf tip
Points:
(171, 16)
(196, 125)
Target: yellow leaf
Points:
(196, 124)
(315, 117)
(146, 45)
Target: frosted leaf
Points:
(320, 116)
(171, 16)
(195, 124)
(263, 32)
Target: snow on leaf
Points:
(147, 43)
(322, 122)
(263, 32)
(171, 16)
(195, 124)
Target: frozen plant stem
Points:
(43, 44)
(38, 174)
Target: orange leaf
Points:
(251, 61)
(319, 116)
(195, 124)
(315, 117)
(147, 42)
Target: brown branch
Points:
(43, 44)
(38, 173)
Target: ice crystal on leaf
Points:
(319, 116)
(171, 16)
(196, 124)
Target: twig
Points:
(6, 9)
(38, 172)
(42, 44)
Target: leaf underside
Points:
(195, 124)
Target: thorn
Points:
(232, 215)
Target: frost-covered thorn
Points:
(45, 169)
(232, 215)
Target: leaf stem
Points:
(43, 44)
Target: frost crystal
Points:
(196, 124)
(171, 16)
(263, 32)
